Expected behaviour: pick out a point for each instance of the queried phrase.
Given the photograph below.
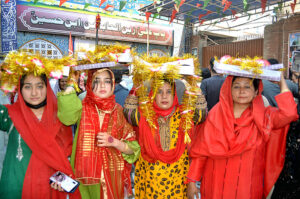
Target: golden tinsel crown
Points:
(102, 53)
(248, 67)
(149, 69)
(19, 63)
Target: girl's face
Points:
(164, 96)
(34, 90)
(243, 91)
(102, 84)
(63, 82)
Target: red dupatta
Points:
(223, 136)
(50, 142)
(149, 139)
(105, 165)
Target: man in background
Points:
(211, 86)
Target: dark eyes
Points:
(161, 92)
(238, 87)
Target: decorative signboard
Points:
(34, 19)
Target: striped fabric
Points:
(97, 65)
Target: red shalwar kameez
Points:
(241, 157)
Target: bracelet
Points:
(285, 90)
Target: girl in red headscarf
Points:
(104, 145)
(239, 151)
(163, 164)
(39, 144)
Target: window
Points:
(44, 47)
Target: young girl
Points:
(104, 144)
(38, 146)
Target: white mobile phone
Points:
(67, 183)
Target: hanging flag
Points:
(173, 15)
(155, 16)
(233, 12)
(293, 7)
(108, 6)
(86, 5)
(227, 5)
(70, 45)
(246, 5)
(200, 16)
(159, 9)
(101, 2)
(177, 2)
(122, 5)
(148, 14)
(182, 2)
(203, 15)
(205, 3)
(236, 17)
(62, 2)
(263, 6)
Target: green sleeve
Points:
(74, 150)
(69, 108)
(5, 121)
(135, 147)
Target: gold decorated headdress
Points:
(19, 63)
(156, 70)
(248, 67)
(103, 54)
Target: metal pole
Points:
(96, 37)
(148, 40)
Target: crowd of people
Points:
(245, 139)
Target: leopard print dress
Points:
(161, 180)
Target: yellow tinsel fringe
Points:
(188, 105)
(19, 63)
(103, 53)
(142, 72)
(253, 65)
